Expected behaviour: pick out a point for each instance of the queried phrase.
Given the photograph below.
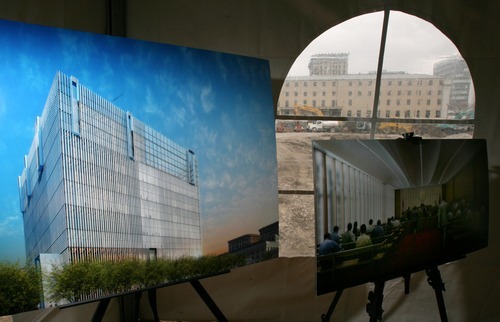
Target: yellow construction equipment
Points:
(303, 107)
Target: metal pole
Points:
(379, 71)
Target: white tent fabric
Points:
(283, 289)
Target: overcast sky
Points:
(413, 45)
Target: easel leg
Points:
(208, 300)
(153, 304)
(407, 283)
(434, 280)
(374, 308)
(326, 317)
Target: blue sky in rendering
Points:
(216, 104)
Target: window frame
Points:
(375, 118)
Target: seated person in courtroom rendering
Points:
(348, 236)
(370, 226)
(378, 230)
(395, 222)
(363, 239)
(355, 229)
(328, 245)
(335, 235)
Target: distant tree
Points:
(20, 288)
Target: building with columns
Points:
(402, 95)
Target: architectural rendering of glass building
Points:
(99, 183)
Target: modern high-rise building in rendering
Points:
(99, 183)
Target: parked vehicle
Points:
(322, 126)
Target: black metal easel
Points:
(326, 317)
(376, 297)
(434, 279)
(129, 302)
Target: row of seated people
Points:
(353, 237)
(366, 249)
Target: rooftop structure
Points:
(457, 71)
(329, 64)
(257, 247)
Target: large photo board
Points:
(387, 208)
(200, 122)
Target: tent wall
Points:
(279, 30)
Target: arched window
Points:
(368, 63)
(380, 75)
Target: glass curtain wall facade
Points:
(100, 184)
